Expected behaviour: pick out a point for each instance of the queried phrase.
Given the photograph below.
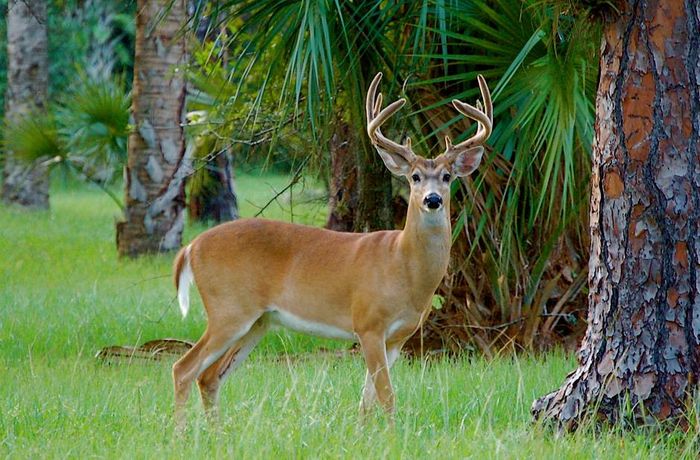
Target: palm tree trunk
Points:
(640, 358)
(156, 164)
(27, 91)
(374, 187)
(343, 190)
(374, 211)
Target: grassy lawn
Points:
(64, 295)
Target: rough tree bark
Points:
(156, 164)
(640, 357)
(343, 187)
(27, 91)
(374, 210)
(374, 189)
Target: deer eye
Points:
(446, 177)
(416, 178)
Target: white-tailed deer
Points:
(375, 288)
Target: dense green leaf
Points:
(33, 137)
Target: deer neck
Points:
(426, 240)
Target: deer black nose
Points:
(433, 201)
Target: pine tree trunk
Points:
(343, 189)
(640, 357)
(156, 165)
(27, 91)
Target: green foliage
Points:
(205, 148)
(520, 227)
(294, 39)
(83, 36)
(229, 112)
(33, 137)
(86, 131)
(94, 124)
(542, 68)
(89, 37)
(309, 57)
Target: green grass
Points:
(64, 295)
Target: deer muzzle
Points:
(433, 201)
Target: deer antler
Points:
(376, 117)
(483, 116)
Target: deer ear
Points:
(466, 162)
(395, 163)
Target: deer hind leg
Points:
(210, 381)
(369, 394)
(375, 352)
(213, 344)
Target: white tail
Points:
(184, 276)
(374, 288)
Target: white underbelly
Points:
(281, 318)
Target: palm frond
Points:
(521, 216)
(93, 120)
(33, 136)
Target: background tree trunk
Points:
(156, 164)
(374, 188)
(215, 198)
(640, 355)
(374, 209)
(27, 91)
(343, 189)
(211, 195)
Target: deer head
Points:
(430, 179)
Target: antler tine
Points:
(486, 96)
(376, 117)
(371, 97)
(384, 115)
(482, 115)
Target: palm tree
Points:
(520, 250)
(156, 164)
(322, 52)
(27, 91)
(519, 241)
(84, 131)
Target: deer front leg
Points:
(369, 396)
(374, 351)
